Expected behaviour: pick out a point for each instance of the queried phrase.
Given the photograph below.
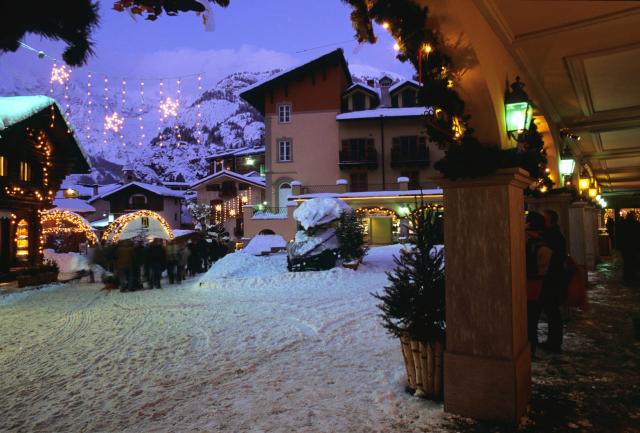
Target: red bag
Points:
(577, 286)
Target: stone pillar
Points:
(403, 183)
(487, 367)
(577, 248)
(343, 186)
(590, 237)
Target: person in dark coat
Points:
(555, 282)
(193, 258)
(157, 258)
(124, 264)
(538, 259)
(628, 241)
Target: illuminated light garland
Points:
(106, 106)
(113, 122)
(162, 118)
(199, 111)
(123, 93)
(115, 229)
(457, 128)
(177, 125)
(89, 108)
(59, 74)
(142, 134)
(58, 217)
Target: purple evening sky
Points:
(249, 35)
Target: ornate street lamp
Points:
(567, 163)
(584, 181)
(518, 110)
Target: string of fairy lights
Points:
(118, 114)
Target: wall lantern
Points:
(584, 181)
(250, 161)
(567, 163)
(593, 191)
(518, 110)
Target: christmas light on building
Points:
(59, 74)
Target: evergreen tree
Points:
(350, 234)
(414, 303)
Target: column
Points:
(487, 369)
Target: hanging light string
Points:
(140, 111)
(89, 108)
(106, 106)
(161, 113)
(199, 111)
(123, 108)
(177, 123)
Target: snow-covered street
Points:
(249, 348)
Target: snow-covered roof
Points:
(156, 189)
(238, 152)
(375, 91)
(254, 180)
(402, 83)
(437, 192)
(73, 205)
(15, 109)
(383, 112)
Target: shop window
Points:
(22, 240)
(25, 171)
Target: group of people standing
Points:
(135, 262)
(547, 277)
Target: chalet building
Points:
(240, 161)
(37, 150)
(119, 199)
(326, 134)
(231, 194)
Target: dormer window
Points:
(409, 98)
(284, 113)
(358, 100)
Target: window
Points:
(25, 171)
(359, 182)
(408, 98)
(357, 149)
(407, 145)
(284, 113)
(137, 201)
(3, 166)
(284, 151)
(22, 240)
(358, 99)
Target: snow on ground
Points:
(264, 244)
(248, 348)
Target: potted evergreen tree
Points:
(413, 305)
(350, 234)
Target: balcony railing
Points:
(316, 189)
(417, 158)
(366, 159)
(391, 185)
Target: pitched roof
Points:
(14, 110)
(156, 189)
(254, 94)
(239, 152)
(254, 180)
(73, 204)
(403, 83)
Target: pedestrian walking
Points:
(172, 260)
(538, 258)
(156, 260)
(124, 264)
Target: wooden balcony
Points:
(367, 159)
(416, 158)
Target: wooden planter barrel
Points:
(36, 280)
(423, 362)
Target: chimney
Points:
(385, 98)
(128, 174)
(371, 83)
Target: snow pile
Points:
(319, 211)
(243, 265)
(15, 109)
(68, 262)
(304, 243)
(264, 244)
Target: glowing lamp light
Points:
(250, 161)
(518, 109)
(385, 25)
(403, 211)
(169, 107)
(218, 208)
(244, 199)
(59, 74)
(396, 47)
(583, 183)
(427, 49)
(113, 122)
(593, 192)
(567, 163)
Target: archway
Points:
(64, 230)
(284, 192)
(142, 223)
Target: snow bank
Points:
(264, 244)
(319, 211)
(68, 262)
(243, 265)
